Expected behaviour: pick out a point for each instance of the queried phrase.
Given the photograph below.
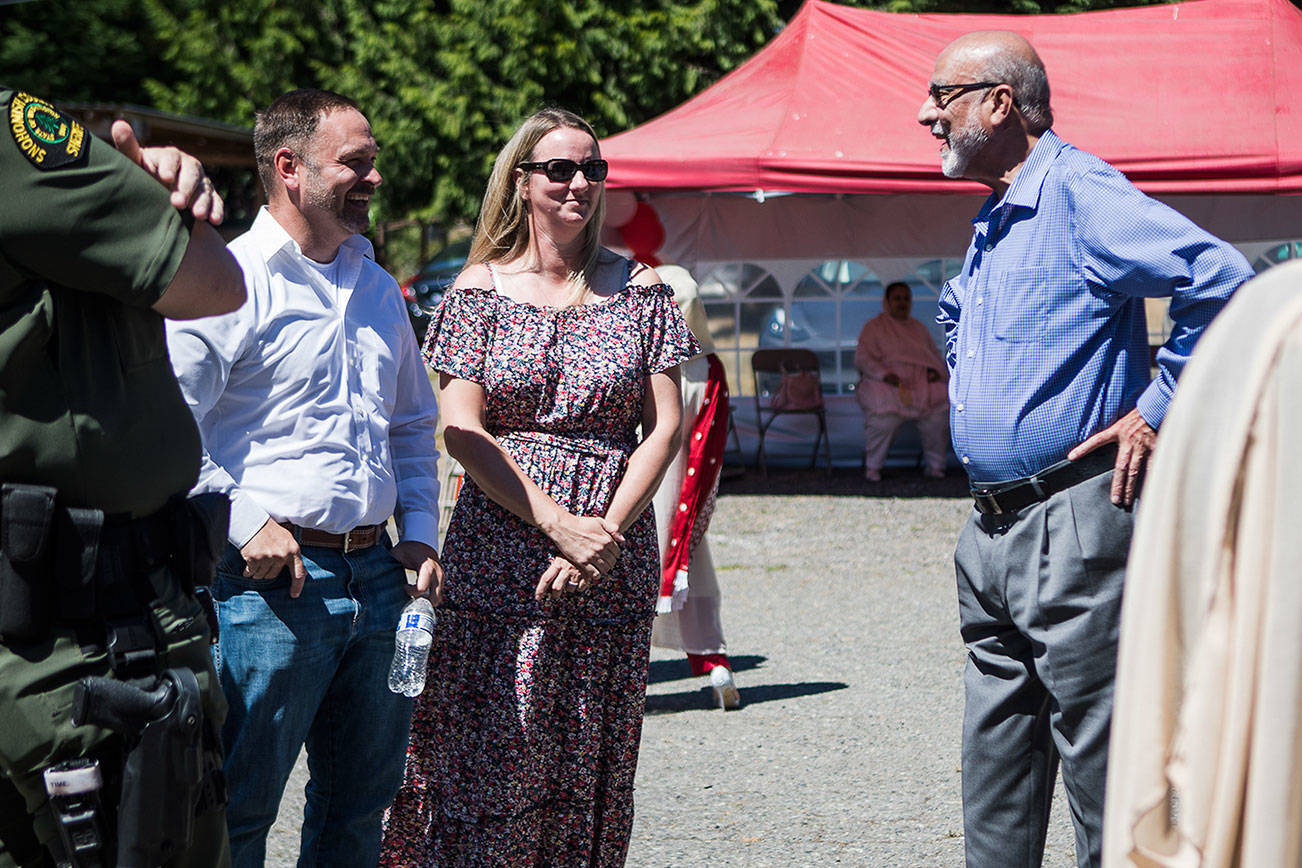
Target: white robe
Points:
(1206, 755)
(694, 626)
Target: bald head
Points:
(982, 45)
(1004, 56)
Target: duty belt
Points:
(64, 566)
(1004, 497)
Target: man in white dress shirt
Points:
(318, 421)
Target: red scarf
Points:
(696, 500)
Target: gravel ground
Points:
(840, 611)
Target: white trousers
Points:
(879, 431)
(695, 628)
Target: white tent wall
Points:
(807, 270)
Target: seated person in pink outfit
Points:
(902, 376)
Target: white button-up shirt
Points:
(311, 398)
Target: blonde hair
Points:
(502, 232)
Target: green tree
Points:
(224, 60)
(461, 79)
(77, 51)
(443, 81)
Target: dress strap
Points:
(492, 274)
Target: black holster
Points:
(26, 605)
(164, 768)
(201, 535)
(75, 568)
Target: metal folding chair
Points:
(767, 368)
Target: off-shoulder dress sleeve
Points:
(666, 339)
(460, 333)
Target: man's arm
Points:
(1151, 252)
(415, 469)
(109, 228)
(202, 357)
(207, 282)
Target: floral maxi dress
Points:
(524, 743)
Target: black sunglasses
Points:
(944, 94)
(561, 171)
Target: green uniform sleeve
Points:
(80, 214)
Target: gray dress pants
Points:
(1039, 595)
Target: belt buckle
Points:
(986, 502)
(348, 541)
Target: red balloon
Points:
(621, 205)
(644, 234)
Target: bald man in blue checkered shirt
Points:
(1053, 416)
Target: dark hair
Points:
(886, 293)
(290, 122)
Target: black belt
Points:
(1005, 497)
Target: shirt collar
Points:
(1024, 192)
(271, 238)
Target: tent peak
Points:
(830, 103)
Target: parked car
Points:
(424, 290)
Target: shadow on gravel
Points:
(696, 700)
(903, 482)
(661, 671)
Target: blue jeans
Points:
(312, 671)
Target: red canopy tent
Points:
(1194, 97)
(801, 182)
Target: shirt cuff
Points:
(418, 527)
(1153, 404)
(247, 518)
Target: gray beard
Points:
(963, 146)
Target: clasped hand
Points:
(561, 577)
(589, 549)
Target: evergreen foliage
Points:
(443, 81)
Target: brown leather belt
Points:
(358, 538)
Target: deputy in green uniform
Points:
(99, 550)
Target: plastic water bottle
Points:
(411, 645)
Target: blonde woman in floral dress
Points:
(550, 352)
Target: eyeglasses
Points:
(944, 94)
(561, 171)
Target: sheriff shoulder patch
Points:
(45, 135)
